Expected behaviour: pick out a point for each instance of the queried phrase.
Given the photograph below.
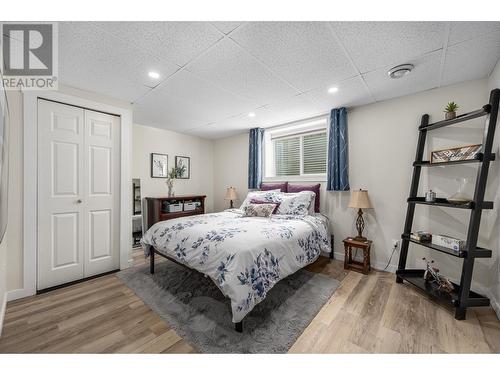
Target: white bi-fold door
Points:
(78, 193)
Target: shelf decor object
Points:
(230, 196)
(460, 197)
(450, 111)
(461, 296)
(455, 154)
(360, 200)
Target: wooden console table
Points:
(156, 208)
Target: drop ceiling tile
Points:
(424, 76)
(174, 42)
(85, 44)
(165, 113)
(473, 59)
(292, 109)
(263, 119)
(351, 92)
(226, 26)
(467, 30)
(229, 66)
(101, 63)
(376, 44)
(306, 54)
(184, 95)
(235, 125)
(212, 132)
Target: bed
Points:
(244, 256)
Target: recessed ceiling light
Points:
(154, 75)
(400, 71)
(251, 114)
(332, 90)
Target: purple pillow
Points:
(280, 185)
(314, 188)
(262, 201)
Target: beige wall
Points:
(230, 169)
(382, 144)
(146, 140)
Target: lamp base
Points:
(360, 225)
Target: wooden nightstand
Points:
(349, 263)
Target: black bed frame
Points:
(152, 251)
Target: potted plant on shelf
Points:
(174, 173)
(450, 111)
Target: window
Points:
(299, 150)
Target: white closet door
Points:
(101, 193)
(60, 193)
(78, 193)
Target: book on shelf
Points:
(448, 242)
(421, 236)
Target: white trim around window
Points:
(308, 126)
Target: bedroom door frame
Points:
(30, 180)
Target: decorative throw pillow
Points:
(282, 186)
(296, 204)
(270, 196)
(314, 188)
(259, 210)
(261, 201)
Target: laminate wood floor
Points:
(367, 314)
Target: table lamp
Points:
(359, 200)
(230, 195)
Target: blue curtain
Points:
(255, 158)
(338, 154)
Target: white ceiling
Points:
(214, 73)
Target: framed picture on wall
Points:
(183, 163)
(159, 165)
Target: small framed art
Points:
(159, 165)
(182, 163)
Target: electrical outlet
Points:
(395, 244)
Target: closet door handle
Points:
(79, 201)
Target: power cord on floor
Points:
(395, 246)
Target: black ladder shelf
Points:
(462, 297)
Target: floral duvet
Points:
(244, 256)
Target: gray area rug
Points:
(197, 310)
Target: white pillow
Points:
(299, 204)
(267, 195)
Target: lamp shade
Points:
(230, 194)
(360, 199)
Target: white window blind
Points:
(314, 153)
(300, 154)
(287, 156)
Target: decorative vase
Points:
(450, 115)
(170, 186)
(460, 197)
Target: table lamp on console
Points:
(360, 200)
(230, 196)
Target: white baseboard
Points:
(18, 293)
